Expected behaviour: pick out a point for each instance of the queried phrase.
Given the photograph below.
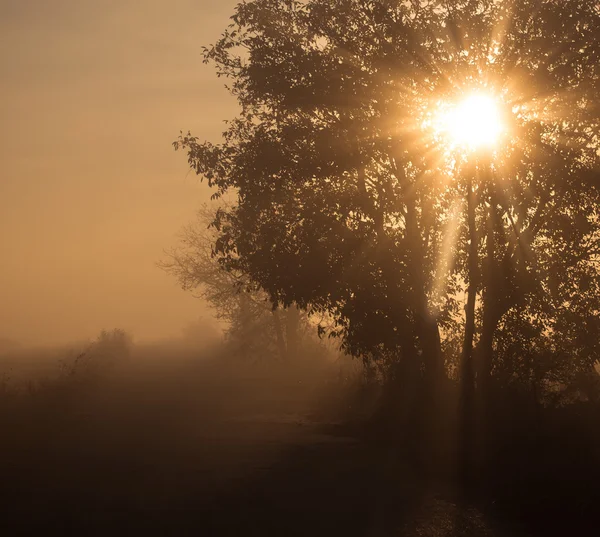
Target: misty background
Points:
(91, 192)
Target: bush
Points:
(108, 349)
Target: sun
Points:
(474, 123)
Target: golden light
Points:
(474, 123)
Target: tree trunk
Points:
(426, 427)
(467, 402)
(492, 313)
(490, 299)
(426, 326)
(493, 285)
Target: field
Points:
(176, 442)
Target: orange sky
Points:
(91, 191)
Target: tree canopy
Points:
(351, 201)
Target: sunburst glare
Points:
(472, 124)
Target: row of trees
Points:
(346, 197)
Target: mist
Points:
(300, 267)
(93, 95)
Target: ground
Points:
(195, 453)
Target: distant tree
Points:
(345, 194)
(254, 326)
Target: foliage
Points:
(98, 357)
(254, 327)
(80, 372)
(346, 193)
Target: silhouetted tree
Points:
(346, 193)
(253, 324)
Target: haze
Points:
(91, 192)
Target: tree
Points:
(345, 191)
(253, 325)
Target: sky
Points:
(93, 93)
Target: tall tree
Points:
(347, 189)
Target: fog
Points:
(111, 436)
(431, 253)
(91, 192)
